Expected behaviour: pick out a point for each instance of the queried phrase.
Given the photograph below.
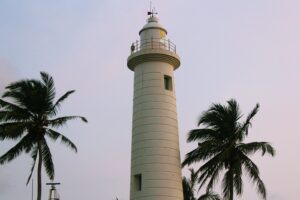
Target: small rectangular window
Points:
(137, 182)
(168, 82)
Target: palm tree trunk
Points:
(39, 174)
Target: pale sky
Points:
(247, 50)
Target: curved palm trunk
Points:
(39, 174)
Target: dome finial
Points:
(152, 11)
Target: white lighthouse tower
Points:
(155, 156)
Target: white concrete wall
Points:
(155, 146)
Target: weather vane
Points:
(152, 11)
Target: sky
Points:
(247, 50)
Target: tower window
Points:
(137, 182)
(168, 82)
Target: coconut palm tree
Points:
(188, 186)
(220, 145)
(209, 196)
(28, 115)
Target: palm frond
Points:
(234, 108)
(9, 116)
(214, 176)
(237, 179)
(33, 156)
(30, 94)
(211, 174)
(61, 121)
(47, 159)
(232, 116)
(52, 134)
(222, 119)
(10, 106)
(209, 196)
(219, 158)
(260, 186)
(209, 169)
(48, 82)
(253, 173)
(58, 103)
(253, 147)
(49, 85)
(14, 114)
(202, 135)
(205, 175)
(18, 91)
(212, 117)
(250, 167)
(205, 150)
(17, 86)
(24, 144)
(193, 178)
(226, 184)
(245, 126)
(188, 193)
(13, 130)
(56, 135)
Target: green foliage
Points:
(27, 116)
(220, 147)
(209, 196)
(188, 186)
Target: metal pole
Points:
(31, 189)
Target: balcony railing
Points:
(153, 43)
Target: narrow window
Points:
(138, 182)
(168, 82)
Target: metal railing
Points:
(153, 43)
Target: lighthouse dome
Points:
(153, 46)
(153, 23)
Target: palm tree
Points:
(209, 196)
(188, 186)
(220, 145)
(29, 118)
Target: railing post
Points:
(155, 43)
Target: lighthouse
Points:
(155, 155)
